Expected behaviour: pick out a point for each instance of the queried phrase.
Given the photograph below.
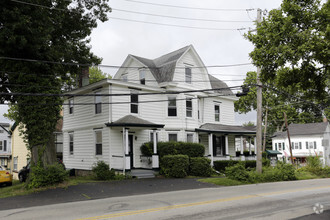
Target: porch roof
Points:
(133, 121)
(226, 129)
(273, 152)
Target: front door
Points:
(219, 145)
(130, 150)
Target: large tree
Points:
(40, 43)
(292, 49)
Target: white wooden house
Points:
(310, 139)
(150, 100)
(5, 145)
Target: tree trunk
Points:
(48, 153)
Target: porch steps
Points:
(142, 173)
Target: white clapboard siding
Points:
(226, 111)
(84, 115)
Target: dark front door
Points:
(130, 149)
(219, 146)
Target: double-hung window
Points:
(71, 142)
(98, 103)
(143, 76)
(190, 137)
(188, 75)
(217, 112)
(189, 107)
(15, 163)
(5, 145)
(134, 103)
(172, 137)
(171, 110)
(98, 142)
(71, 106)
(0, 145)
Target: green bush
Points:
(173, 148)
(200, 166)
(220, 165)
(237, 172)
(102, 171)
(252, 164)
(175, 165)
(147, 149)
(313, 162)
(51, 174)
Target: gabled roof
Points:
(163, 67)
(230, 129)
(304, 129)
(5, 126)
(133, 121)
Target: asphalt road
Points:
(281, 200)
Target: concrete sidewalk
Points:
(100, 190)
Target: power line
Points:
(181, 26)
(110, 103)
(175, 17)
(118, 67)
(193, 8)
(41, 6)
(122, 94)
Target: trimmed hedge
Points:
(173, 148)
(200, 166)
(175, 165)
(220, 165)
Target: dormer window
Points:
(143, 76)
(188, 75)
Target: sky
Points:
(122, 34)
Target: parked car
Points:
(24, 172)
(5, 177)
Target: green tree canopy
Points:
(96, 74)
(292, 49)
(40, 43)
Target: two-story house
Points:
(5, 145)
(170, 98)
(310, 139)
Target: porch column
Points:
(242, 152)
(250, 152)
(155, 157)
(127, 156)
(211, 147)
(226, 146)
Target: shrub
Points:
(175, 165)
(147, 149)
(173, 148)
(313, 162)
(200, 166)
(51, 174)
(237, 172)
(250, 164)
(246, 153)
(220, 165)
(102, 171)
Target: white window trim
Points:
(95, 131)
(71, 133)
(135, 103)
(192, 107)
(193, 136)
(71, 106)
(176, 106)
(95, 97)
(185, 75)
(217, 104)
(144, 71)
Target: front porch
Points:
(227, 142)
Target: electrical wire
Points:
(186, 7)
(180, 26)
(118, 67)
(122, 94)
(175, 17)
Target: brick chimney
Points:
(84, 77)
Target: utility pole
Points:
(287, 130)
(259, 111)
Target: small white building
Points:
(5, 145)
(310, 139)
(150, 100)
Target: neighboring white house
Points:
(310, 139)
(150, 100)
(5, 145)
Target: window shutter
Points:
(283, 146)
(314, 144)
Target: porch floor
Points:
(142, 173)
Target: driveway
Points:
(99, 190)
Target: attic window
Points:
(124, 77)
(188, 75)
(143, 76)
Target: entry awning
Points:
(226, 129)
(273, 152)
(133, 121)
